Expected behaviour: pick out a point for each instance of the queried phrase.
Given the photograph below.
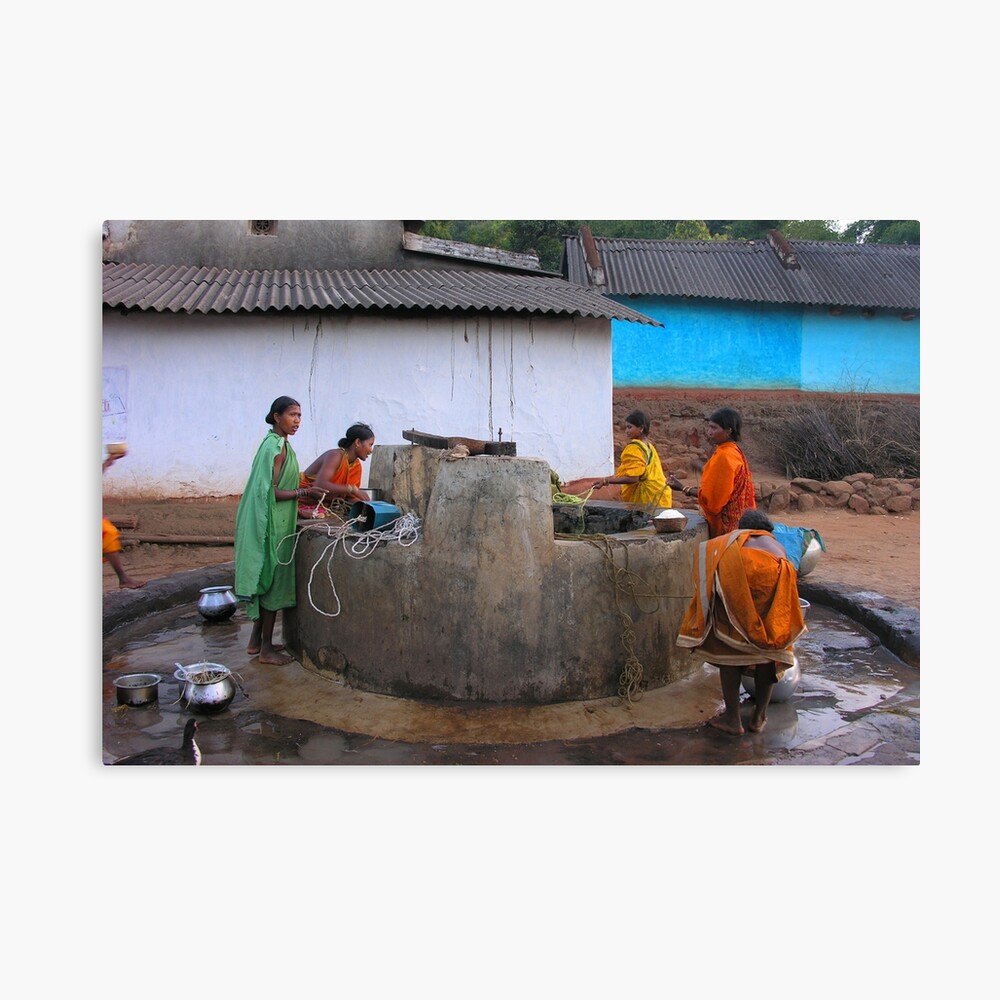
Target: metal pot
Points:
(784, 689)
(138, 689)
(810, 557)
(205, 697)
(217, 603)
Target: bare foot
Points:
(275, 658)
(723, 724)
(129, 584)
(254, 650)
(756, 725)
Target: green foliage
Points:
(631, 229)
(691, 230)
(744, 229)
(811, 229)
(883, 231)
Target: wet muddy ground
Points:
(856, 704)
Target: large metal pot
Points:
(810, 557)
(137, 689)
(784, 689)
(205, 688)
(790, 679)
(217, 603)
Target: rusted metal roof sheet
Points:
(455, 250)
(828, 274)
(170, 288)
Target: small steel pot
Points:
(217, 603)
(138, 689)
(205, 697)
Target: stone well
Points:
(490, 604)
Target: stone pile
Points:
(862, 493)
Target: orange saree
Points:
(745, 608)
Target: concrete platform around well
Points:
(397, 730)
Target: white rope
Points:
(405, 530)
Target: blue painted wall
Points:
(705, 344)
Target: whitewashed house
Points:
(205, 323)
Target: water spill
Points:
(847, 674)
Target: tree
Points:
(691, 230)
(883, 231)
(744, 229)
(811, 229)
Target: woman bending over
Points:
(337, 472)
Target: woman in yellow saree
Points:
(639, 470)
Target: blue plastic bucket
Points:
(373, 514)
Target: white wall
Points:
(198, 388)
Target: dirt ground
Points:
(866, 551)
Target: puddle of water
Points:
(845, 671)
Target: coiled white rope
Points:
(404, 530)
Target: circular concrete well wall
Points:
(489, 604)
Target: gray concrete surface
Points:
(296, 715)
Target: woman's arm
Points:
(296, 494)
(631, 467)
(279, 461)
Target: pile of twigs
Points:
(838, 437)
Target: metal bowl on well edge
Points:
(669, 520)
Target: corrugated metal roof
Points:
(177, 288)
(829, 274)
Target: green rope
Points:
(623, 581)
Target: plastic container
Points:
(373, 514)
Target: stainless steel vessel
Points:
(810, 557)
(217, 603)
(784, 689)
(137, 689)
(205, 688)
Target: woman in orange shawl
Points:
(338, 470)
(745, 612)
(726, 489)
